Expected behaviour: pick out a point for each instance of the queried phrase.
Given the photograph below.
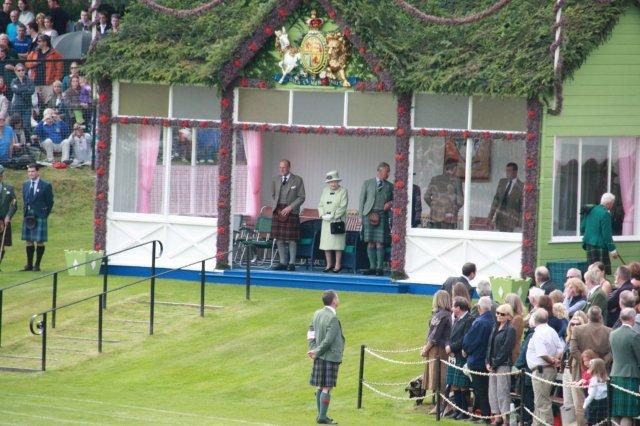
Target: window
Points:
(587, 167)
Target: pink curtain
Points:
(627, 165)
(148, 146)
(253, 151)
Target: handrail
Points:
(86, 263)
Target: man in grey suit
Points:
(288, 195)
(506, 208)
(326, 346)
(625, 372)
(374, 206)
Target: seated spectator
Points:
(103, 23)
(4, 106)
(6, 68)
(84, 23)
(45, 65)
(12, 28)
(5, 43)
(72, 101)
(33, 32)
(7, 140)
(15, 121)
(81, 144)
(49, 27)
(4, 88)
(73, 71)
(575, 296)
(23, 88)
(85, 97)
(59, 16)
(40, 21)
(21, 43)
(55, 98)
(51, 132)
(115, 23)
(26, 15)
(182, 148)
(7, 5)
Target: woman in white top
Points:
(26, 15)
(48, 27)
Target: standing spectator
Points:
(6, 69)
(627, 300)
(52, 132)
(7, 140)
(8, 207)
(84, 23)
(437, 339)
(22, 43)
(332, 208)
(22, 88)
(543, 279)
(625, 372)
(12, 28)
(4, 87)
(326, 345)
(499, 353)
(59, 15)
(521, 362)
(596, 231)
(596, 403)
(474, 346)
(45, 73)
(560, 312)
(26, 15)
(574, 295)
(81, 144)
(543, 358)
(115, 24)
(49, 27)
(4, 106)
(517, 321)
(595, 294)
(7, 5)
(5, 43)
(506, 208)
(37, 196)
(460, 290)
(72, 102)
(103, 26)
(545, 303)
(73, 72)
(600, 269)
(468, 274)
(445, 197)
(458, 381)
(574, 273)
(623, 282)
(556, 296)
(416, 207)
(483, 288)
(572, 398)
(32, 33)
(40, 21)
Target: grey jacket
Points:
(294, 190)
(328, 343)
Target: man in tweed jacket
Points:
(326, 346)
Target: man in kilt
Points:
(288, 195)
(37, 196)
(596, 232)
(8, 207)
(326, 345)
(374, 206)
(456, 379)
(625, 372)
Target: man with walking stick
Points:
(8, 207)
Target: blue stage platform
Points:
(299, 279)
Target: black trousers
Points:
(480, 385)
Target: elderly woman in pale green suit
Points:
(333, 208)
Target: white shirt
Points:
(285, 177)
(544, 342)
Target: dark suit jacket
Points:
(508, 216)
(458, 331)
(548, 287)
(589, 336)
(8, 202)
(451, 281)
(40, 204)
(613, 303)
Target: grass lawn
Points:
(243, 363)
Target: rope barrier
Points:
(479, 373)
(477, 416)
(538, 419)
(549, 382)
(396, 351)
(395, 361)
(397, 398)
(637, 395)
(389, 384)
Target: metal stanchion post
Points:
(1, 294)
(202, 289)
(100, 303)
(54, 297)
(105, 283)
(44, 341)
(152, 290)
(248, 277)
(361, 376)
(523, 377)
(438, 390)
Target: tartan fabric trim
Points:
(288, 230)
(597, 410)
(598, 254)
(624, 404)
(324, 373)
(38, 234)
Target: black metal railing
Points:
(40, 327)
(105, 278)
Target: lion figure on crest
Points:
(338, 58)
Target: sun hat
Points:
(332, 176)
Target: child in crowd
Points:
(595, 405)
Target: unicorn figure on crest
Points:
(290, 54)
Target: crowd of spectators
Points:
(585, 331)
(46, 104)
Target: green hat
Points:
(1, 169)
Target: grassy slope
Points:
(242, 363)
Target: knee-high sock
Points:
(325, 399)
(293, 248)
(39, 253)
(371, 254)
(30, 251)
(281, 251)
(318, 393)
(380, 251)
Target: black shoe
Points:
(279, 267)
(369, 272)
(449, 413)
(291, 267)
(379, 272)
(36, 268)
(337, 271)
(327, 421)
(327, 270)
(462, 416)
(27, 268)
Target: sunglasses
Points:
(502, 314)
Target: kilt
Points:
(289, 230)
(598, 254)
(376, 234)
(324, 373)
(456, 377)
(597, 411)
(7, 236)
(38, 233)
(624, 404)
